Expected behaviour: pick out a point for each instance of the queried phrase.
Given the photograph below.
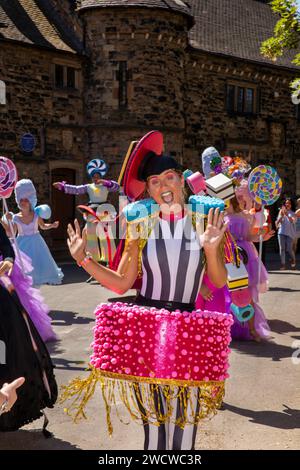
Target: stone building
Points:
(81, 79)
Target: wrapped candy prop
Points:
(196, 182)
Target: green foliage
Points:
(286, 35)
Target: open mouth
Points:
(167, 197)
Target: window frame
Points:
(66, 67)
(237, 86)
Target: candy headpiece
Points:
(97, 166)
(208, 156)
(25, 190)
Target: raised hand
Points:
(6, 267)
(215, 230)
(8, 394)
(269, 235)
(76, 242)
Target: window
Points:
(59, 76)
(122, 76)
(70, 77)
(2, 93)
(65, 77)
(241, 99)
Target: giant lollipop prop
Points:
(265, 187)
(8, 181)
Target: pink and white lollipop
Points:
(8, 177)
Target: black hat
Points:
(154, 164)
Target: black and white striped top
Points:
(171, 262)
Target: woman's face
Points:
(166, 188)
(25, 205)
(288, 205)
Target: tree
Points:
(286, 38)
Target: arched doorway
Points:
(63, 209)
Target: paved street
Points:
(262, 403)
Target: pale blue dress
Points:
(30, 241)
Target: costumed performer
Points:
(27, 223)
(30, 297)
(240, 224)
(98, 193)
(168, 361)
(25, 352)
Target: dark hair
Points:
(291, 201)
(235, 204)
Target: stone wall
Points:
(153, 45)
(271, 136)
(53, 116)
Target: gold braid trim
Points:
(139, 396)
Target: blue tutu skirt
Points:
(45, 270)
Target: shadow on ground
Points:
(289, 418)
(73, 274)
(66, 318)
(32, 440)
(269, 350)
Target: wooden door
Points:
(63, 207)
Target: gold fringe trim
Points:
(141, 396)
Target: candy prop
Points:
(220, 186)
(8, 177)
(8, 181)
(139, 211)
(202, 204)
(265, 188)
(264, 185)
(241, 297)
(187, 173)
(196, 182)
(243, 314)
(97, 165)
(237, 276)
(237, 169)
(141, 346)
(200, 207)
